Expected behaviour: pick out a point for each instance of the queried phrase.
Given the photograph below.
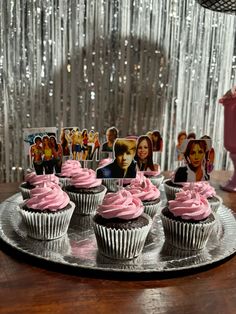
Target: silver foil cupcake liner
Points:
(24, 192)
(151, 209)
(186, 235)
(215, 204)
(121, 244)
(170, 190)
(47, 226)
(157, 181)
(85, 203)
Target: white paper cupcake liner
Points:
(86, 204)
(186, 235)
(121, 244)
(215, 204)
(24, 192)
(47, 226)
(157, 181)
(111, 184)
(151, 209)
(170, 190)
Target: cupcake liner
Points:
(186, 235)
(121, 244)
(47, 226)
(64, 181)
(111, 184)
(215, 204)
(157, 181)
(170, 190)
(86, 203)
(151, 209)
(24, 192)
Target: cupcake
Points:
(155, 177)
(120, 226)
(68, 168)
(188, 221)
(110, 184)
(206, 190)
(171, 189)
(86, 191)
(148, 193)
(47, 212)
(32, 180)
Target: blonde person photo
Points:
(195, 157)
(111, 135)
(124, 165)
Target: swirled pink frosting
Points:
(143, 188)
(48, 196)
(203, 188)
(190, 205)
(33, 179)
(105, 161)
(121, 204)
(69, 167)
(85, 178)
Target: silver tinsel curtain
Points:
(139, 65)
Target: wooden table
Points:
(26, 286)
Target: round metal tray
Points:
(78, 248)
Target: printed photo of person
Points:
(111, 136)
(36, 154)
(182, 136)
(195, 157)
(210, 156)
(66, 141)
(34, 148)
(57, 154)
(124, 165)
(76, 144)
(47, 155)
(157, 142)
(144, 154)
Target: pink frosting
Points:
(85, 178)
(105, 161)
(203, 188)
(69, 167)
(143, 188)
(48, 196)
(190, 205)
(121, 204)
(33, 179)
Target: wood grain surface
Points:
(28, 286)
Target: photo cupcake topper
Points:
(80, 144)
(123, 165)
(42, 150)
(144, 155)
(111, 136)
(196, 154)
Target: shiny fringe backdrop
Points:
(135, 64)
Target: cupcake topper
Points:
(43, 152)
(124, 165)
(196, 157)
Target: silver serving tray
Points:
(78, 247)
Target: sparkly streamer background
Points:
(138, 65)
